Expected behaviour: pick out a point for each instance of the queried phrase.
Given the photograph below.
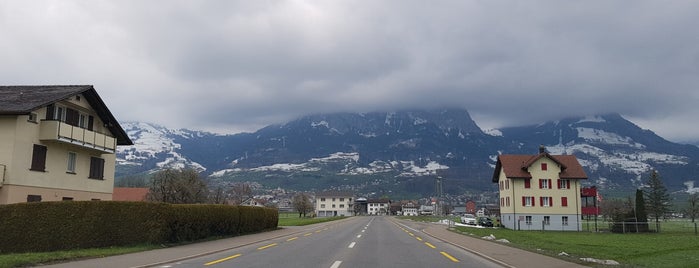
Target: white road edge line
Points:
(352, 244)
(359, 236)
(336, 264)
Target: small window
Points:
(322, 205)
(527, 183)
(545, 201)
(38, 158)
(71, 162)
(342, 205)
(563, 184)
(528, 220)
(333, 205)
(547, 220)
(342, 199)
(333, 199)
(564, 220)
(66, 198)
(32, 117)
(544, 183)
(528, 201)
(33, 198)
(322, 199)
(507, 201)
(544, 167)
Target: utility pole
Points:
(438, 194)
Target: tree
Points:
(177, 187)
(640, 212)
(240, 191)
(218, 196)
(615, 209)
(302, 204)
(692, 210)
(657, 197)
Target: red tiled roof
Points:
(515, 166)
(129, 194)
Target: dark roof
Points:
(334, 194)
(379, 200)
(19, 100)
(129, 194)
(515, 166)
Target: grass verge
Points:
(32, 259)
(305, 221)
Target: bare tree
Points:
(302, 204)
(239, 192)
(218, 196)
(615, 209)
(177, 187)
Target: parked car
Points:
(468, 219)
(484, 221)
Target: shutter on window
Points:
(564, 201)
(541, 182)
(550, 201)
(527, 183)
(533, 203)
(541, 201)
(38, 158)
(524, 201)
(90, 122)
(567, 184)
(558, 182)
(550, 185)
(49, 111)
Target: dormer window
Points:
(544, 167)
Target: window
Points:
(544, 183)
(507, 184)
(66, 198)
(547, 220)
(333, 199)
(350, 199)
(563, 184)
(527, 183)
(528, 220)
(502, 201)
(501, 187)
(33, 198)
(544, 167)
(342, 199)
(32, 118)
(528, 201)
(564, 201)
(71, 162)
(38, 158)
(546, 201)
(507, 200)
(322, 199)
(342, 205)
(322, 205)
(564, 220)
(333, 205)
(96, 168)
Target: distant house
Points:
(409, 209)
(56, 143)
(253, 202)
(334, 203)
(539, 192)
(379, 206)
(426, 210)
(129, 194)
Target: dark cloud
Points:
(230, 66)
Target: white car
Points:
(468, 219)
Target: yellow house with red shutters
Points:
(539, 192)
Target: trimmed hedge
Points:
(50, 226)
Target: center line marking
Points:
(352, 244)
(308, 234)
(430, 245)
(336, 264)
(222, 260)
(449, 256)
(418, 239)
(363, 231)
(293, 238)
(359, 236)
(267, 246)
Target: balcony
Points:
(53, 130)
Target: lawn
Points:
(674, 247)
(31, 259)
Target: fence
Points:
(681, 226)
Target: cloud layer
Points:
(230, 66)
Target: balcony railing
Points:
(54, 130)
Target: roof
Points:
(515, 166)
(334, 194)
(379, 200)
(129, 194)
(20, 100)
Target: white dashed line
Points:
(336, 264)
(352, 244)
(359, 236)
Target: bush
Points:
(50, 226)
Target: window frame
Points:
(564, 220)
(547, 220)
(39, 153)
(528, 220)
(96, 168)
(72, 163)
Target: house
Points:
(253, 202)
(129, 194)
(409, 209)
(56, 143)
(426, 210)
(378, 206)
(334, 203)
(539, 192)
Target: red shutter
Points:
(558, 183)
(564, 201)
(550, 185)
(540, 183)
(550, 201)
(543, 166)
(524, 201)
(541, 201)
(533, 202)
(567, 184)
(527, 183)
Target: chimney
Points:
(542, 149)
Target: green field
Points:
(676, 246)
(292, 219)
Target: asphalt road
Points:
(356, 242)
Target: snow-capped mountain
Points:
(406, 150)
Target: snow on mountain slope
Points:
(154, 142)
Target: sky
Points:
(237, 66)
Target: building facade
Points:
(379, 206)
(539, 192)
(56, 143)
(334, 204)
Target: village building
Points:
(539, 192)
(334, 203)
(56, 143)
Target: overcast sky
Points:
(232, 66)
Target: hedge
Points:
(50, 226)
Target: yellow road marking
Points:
(411, 234)
(292, 239)
(308, 234)
(318, 231)
(222, 260)
(449, 256)
(418, 239)
(267, 246)
(430, 245)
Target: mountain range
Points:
(402, 152)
